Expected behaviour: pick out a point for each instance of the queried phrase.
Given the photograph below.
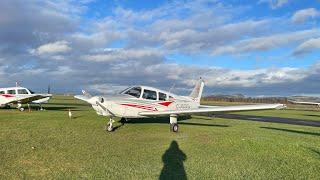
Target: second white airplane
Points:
(20, 95)
(144, 102)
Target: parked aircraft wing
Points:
(28, 98)
(208, 109)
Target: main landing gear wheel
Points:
(174, 127)
(21, 109)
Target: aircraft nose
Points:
(96, 99)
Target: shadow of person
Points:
(173, 163)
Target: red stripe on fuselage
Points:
(7, 95)
(150, 108)
(166, 103)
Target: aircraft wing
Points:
(208, 109)
(304, 102)
(82, 97)
(28, 98)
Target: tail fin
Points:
(197, 91)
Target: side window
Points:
(11, 91)
(162, 96)
(147, 94)
(2, 92)
(22, 91)
(136, 92)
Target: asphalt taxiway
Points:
(271, 119)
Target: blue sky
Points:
(264, 47)
(250, 10)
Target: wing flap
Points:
(208, 109)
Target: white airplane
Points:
(144, 102)
(21, 95)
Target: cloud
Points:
(266, 43)
(304, 14)
(307, 46)
(121, 55)
(52, 48)
(274, 4)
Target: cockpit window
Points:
(123, 91)
(22, 91)
(162, 96)
(2, 92)
(147, 94)
(136, 92)
(31, 92)
(13, 91)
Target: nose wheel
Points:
(110, 125)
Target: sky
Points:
(263, 47)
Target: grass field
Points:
(50, 145)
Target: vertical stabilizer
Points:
(197, 91)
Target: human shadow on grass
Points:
(173, 167)
(292, 131)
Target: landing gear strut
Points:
(20, 107)
(174, 123)
(110, 125)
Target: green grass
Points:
(204, 148)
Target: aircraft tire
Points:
(21, 109)
(174, 127)
(109, 128)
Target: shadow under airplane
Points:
(173, 167)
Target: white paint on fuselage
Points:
(126, 106)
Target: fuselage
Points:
(130, 102)
(15, 93)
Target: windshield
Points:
(31, 92)
(135, 91)
(123, 91)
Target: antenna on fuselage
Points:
(172, 87)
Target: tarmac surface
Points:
(271, 119)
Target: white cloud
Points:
(266, 43)
(302, 15)
(307, 46)
(121, 55)
(52, 48)
(274, 4)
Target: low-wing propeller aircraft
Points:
(144, 102)
(20, 95)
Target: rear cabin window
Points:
(162, 96)
(22, 91)
(136, 92)
(147, 94)
(2, 92)
(11, 91)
